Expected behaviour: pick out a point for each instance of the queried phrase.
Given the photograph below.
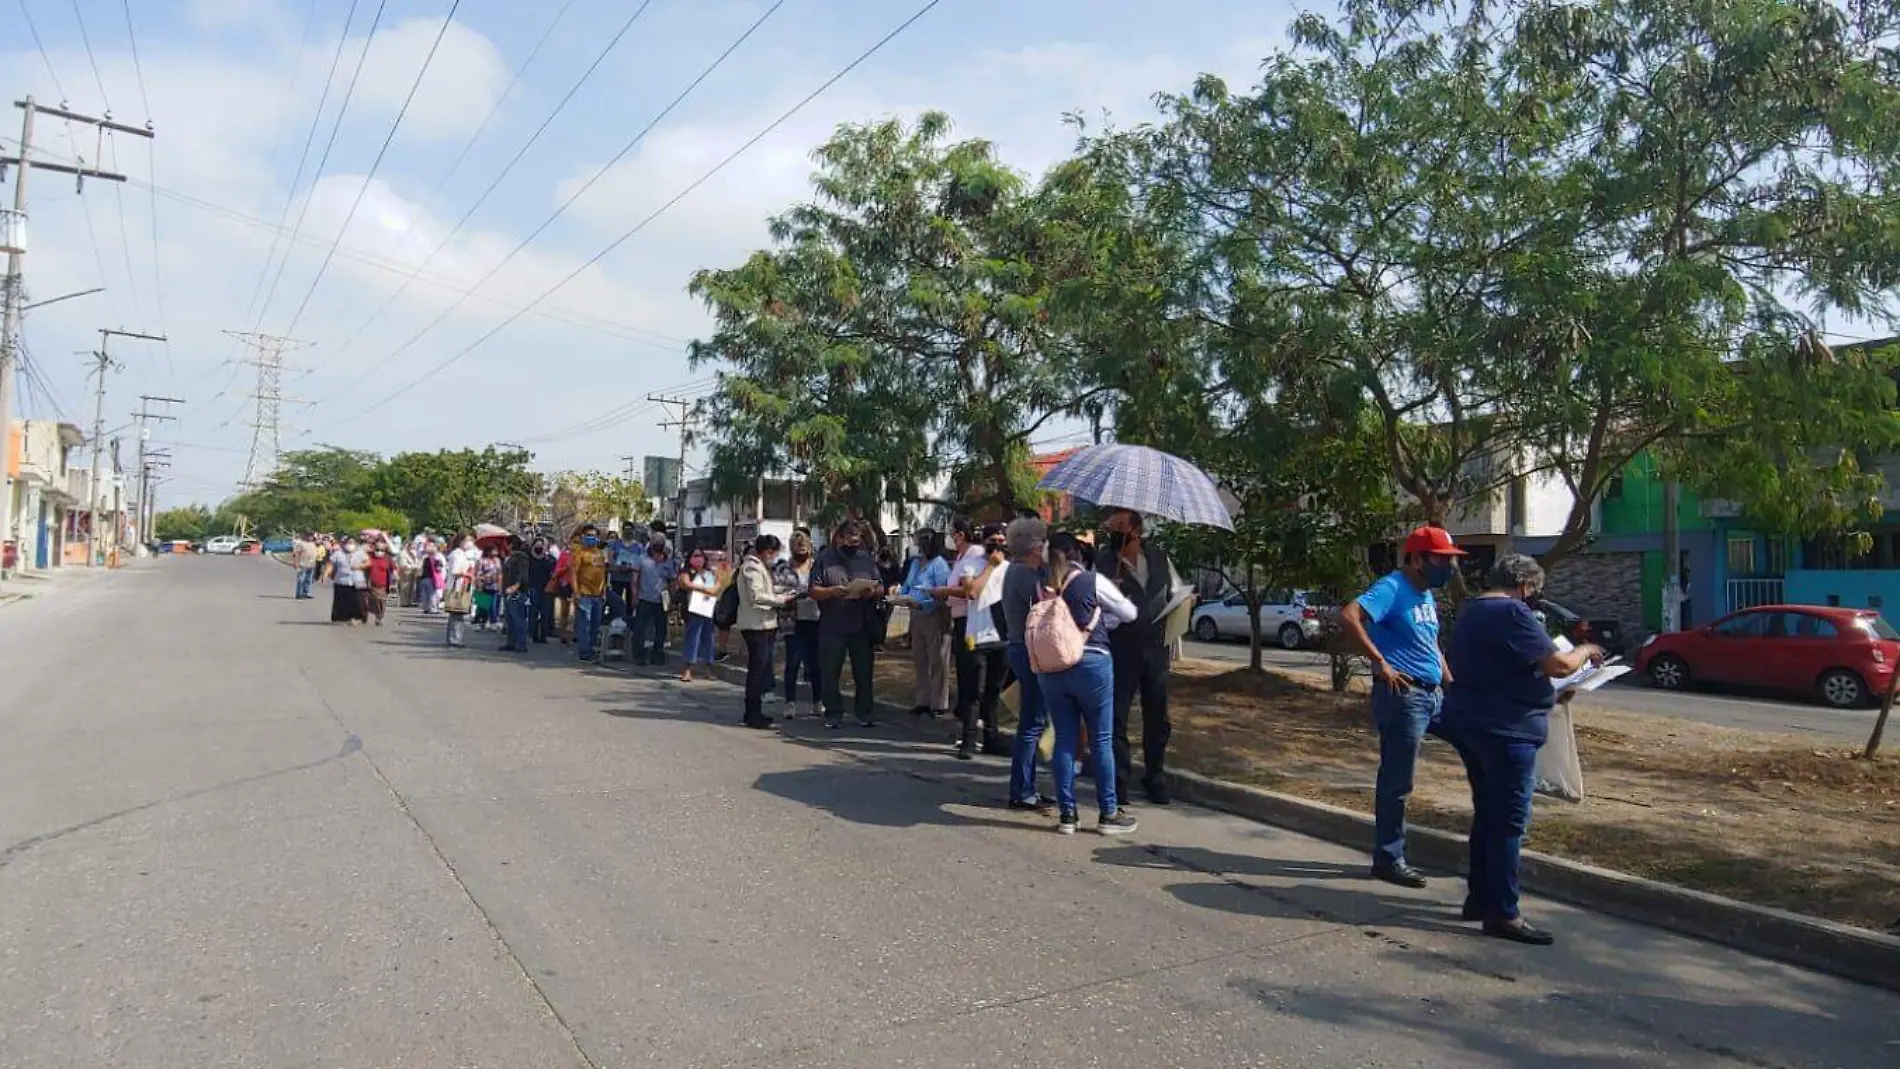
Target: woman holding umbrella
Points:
(1132, 482)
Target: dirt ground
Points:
(1757, 817)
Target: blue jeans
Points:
(699, 640)
(801, 651)
(1402, 720)
(1031, 720)
(649, 621)
(1078, 698)
(587, 613)
(515, 608)
(1503, 774)
(305, 576)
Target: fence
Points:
(1748, 593)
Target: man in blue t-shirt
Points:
(1395, 625)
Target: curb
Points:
(1824, 946)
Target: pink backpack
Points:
(1054, 641)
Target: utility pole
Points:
(1672, 558)
(95, 553)
(13, 240)
(141, 417)
(266, 430)
(148, 512)
(684, 422)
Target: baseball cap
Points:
(1435, 541)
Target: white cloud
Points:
(463, 82)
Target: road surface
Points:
(1630, 695)
(232, 835)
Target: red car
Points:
(1845, 656)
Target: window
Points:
(1777, 557)
(1613, 490)
(1517, 505)
(1880, 627)
(1803, 625)
(1741, 555)
(1746, 625)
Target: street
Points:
(1629, 695)
(232, 834)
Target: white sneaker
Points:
(769, 699)
(811, 710)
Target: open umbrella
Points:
(488, 534)
(1146, 480)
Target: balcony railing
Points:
(1748, 593)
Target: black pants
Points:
(979, 682)
(832, 651)
(1141, 669)
(758, 672)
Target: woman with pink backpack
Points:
(1066, 634)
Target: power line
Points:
(41, 46)
(447, 21)
(303, 158)
(585, 186)
(656, 213)
(556, 313)
(151, 168)
(92, 59)
(324, 160)
(482, 128)
(559, 106)
(125, 235)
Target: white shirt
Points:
(968, 566)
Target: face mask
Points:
(850, 551)
(1117, 539)
(590, 540)
(540, 551)
(1437, 575)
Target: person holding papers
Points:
(1495, 716)
(700, 584)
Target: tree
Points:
(901, 329)
(453, 490)
(189, 523)
(1546, 239)
(595, 497)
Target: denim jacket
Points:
(921, 578)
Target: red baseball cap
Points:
(1435, 541)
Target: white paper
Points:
(1590, 678)
(700, 604)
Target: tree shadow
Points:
(878, 795)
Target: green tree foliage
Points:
(898, 331)
(190, 523)
(596, 497)
(334, 489)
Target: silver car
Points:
(1286, 617)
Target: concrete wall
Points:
(1848, 589)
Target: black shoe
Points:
(760, 724)
(1120, 822)
(866, 724)
(1157, 792)
(1469, 912)
(964, 751)
(994, 746)
(1401, 875)
(920, 710)
(1517, 931)
(1041, 805)
(1068, 823)
(834, 725)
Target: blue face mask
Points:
(590, 540)
(1438, 575)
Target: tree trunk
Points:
(1253, 621)
(1880, 722)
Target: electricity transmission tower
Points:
(267, 356)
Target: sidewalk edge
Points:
(1824, 946)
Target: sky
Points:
(530, 322)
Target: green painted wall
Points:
(1638, 509)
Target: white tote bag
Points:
(1559, 773)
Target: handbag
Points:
(1559, 770)
(459, 600)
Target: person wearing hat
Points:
(1395, 625)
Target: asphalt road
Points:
(233, 835)
(1632, 695)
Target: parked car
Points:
(1846, 657)
(1286, 617)
(224, 545)
(277, 545)
(1561, 619)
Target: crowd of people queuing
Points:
(1079, 631)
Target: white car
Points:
(225, 545)
(1285, 618)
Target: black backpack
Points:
(726, 609)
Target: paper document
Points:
(1591, 677)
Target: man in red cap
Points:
(1395, 625)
